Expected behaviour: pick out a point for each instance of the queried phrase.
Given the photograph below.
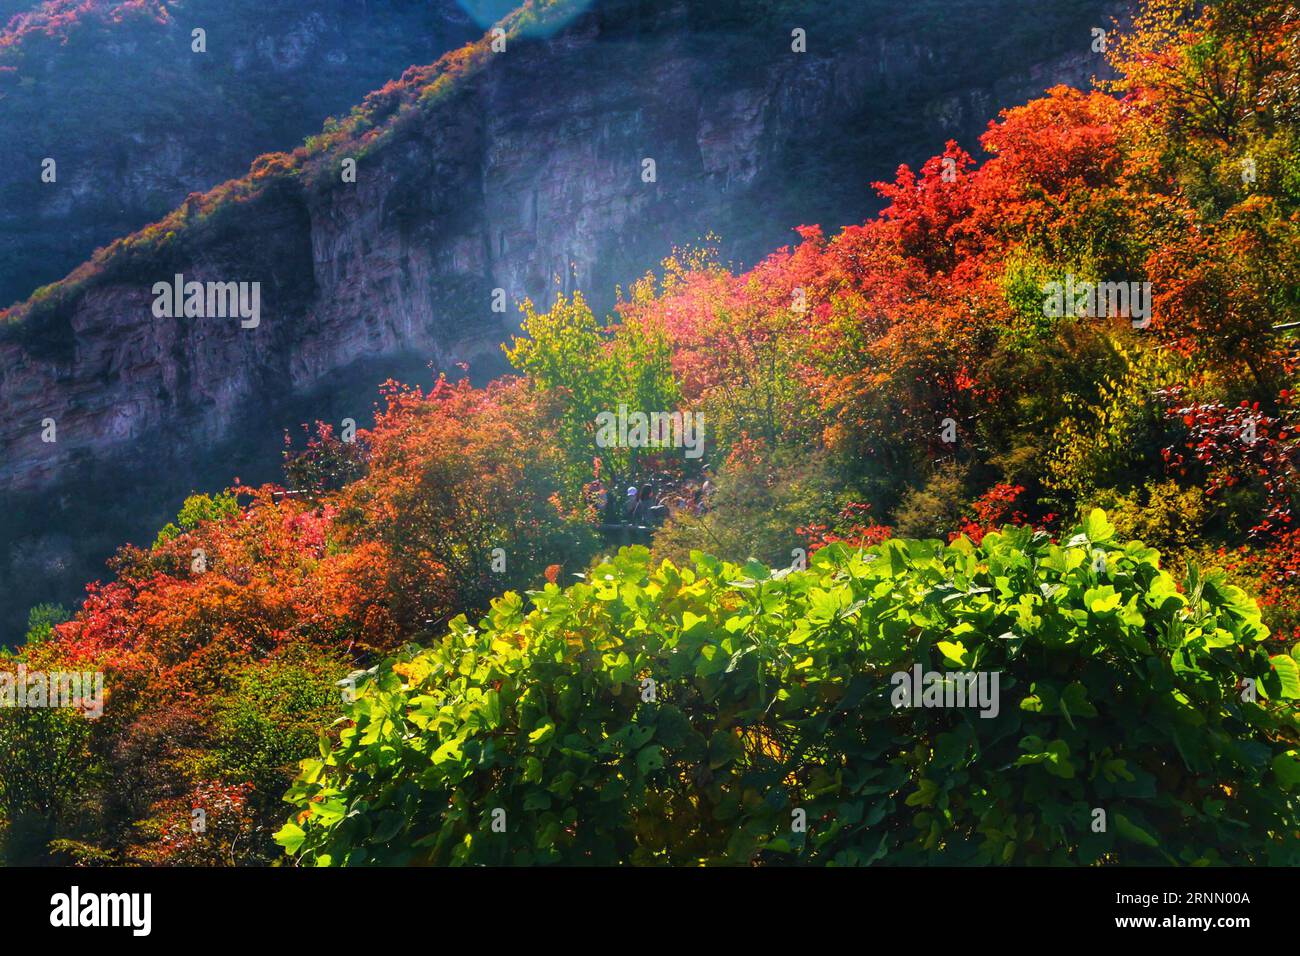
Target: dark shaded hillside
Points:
(135, 120)
(486, 171)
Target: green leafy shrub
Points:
(755, 510)
(538, 737)
(268, 720)
(930, 510)
(196, 510)
(42, 620)
(1111, 436)
(1160, 513)
(46, 773)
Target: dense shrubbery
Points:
(757, 510)
(688, 715)
(222, 644)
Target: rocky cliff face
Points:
(135, 118)
(527, 177)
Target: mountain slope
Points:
(519, 171)
(113, 91)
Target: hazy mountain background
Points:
(136, 121)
